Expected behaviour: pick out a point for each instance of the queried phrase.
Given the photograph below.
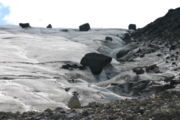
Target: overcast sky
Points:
(72, 13)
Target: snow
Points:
(31, 77)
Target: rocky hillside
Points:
(164, 28)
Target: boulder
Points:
(132, 26)
(24, 25)
(96, 62)
(127, 37)
(152, 68)
(122, 53)
(49, 26)
(84, 27)
(172, 47)
(138, 70)
(127, 52)
(108, 38)
(67, 89)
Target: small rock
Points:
(152, 68)
(138, 70)
(159, 54)
(108, 38)
(74, 101)
(85, 113)
(173, 47)
(64, 30)
(142, 55)
(67, 89)
(174, 63)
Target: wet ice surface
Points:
(31, 77)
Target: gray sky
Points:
(72, 13)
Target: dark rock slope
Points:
(164, 28)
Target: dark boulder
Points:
(122, 53)
(24, 25)
(159, 55)
(132, 27)
(108, 38)
(49, 26)
(127, 53)
(127, 37)
(141, 55)
(138, 70)
(96, 62)
(174, 63)
(152, 69)
(172, 47)
(84, 27)
(67, 89)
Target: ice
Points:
(31, 77)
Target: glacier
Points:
(31, 77)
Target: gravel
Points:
(162, 106)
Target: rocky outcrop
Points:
(166, 28)
(96, 62)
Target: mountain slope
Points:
(166, 28)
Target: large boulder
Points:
(96, 62)
(84, 27)
(49, 26)
(24, 25)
